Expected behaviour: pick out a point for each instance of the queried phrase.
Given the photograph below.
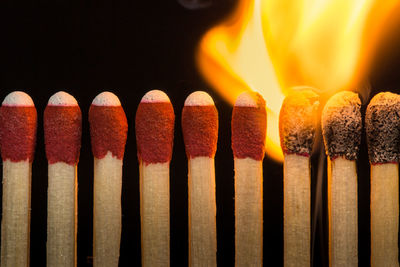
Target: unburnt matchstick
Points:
(154, 126)
(18, 120)
(62, 134)
(108, 131)
(249, 125)
(297, 124)
(341, 129)
(383, 136)
(200, 133)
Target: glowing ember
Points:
(272, 45)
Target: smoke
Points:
(364, 90)
(318, 208)
(195, 4)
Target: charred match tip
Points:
(154, 126)
(18, 120)
(249, 126)
(62, 99)
(298, 121)
(200, 125)
(155, 96)
(62, 129)
(382, 123)
(341, 125)
(107, 99)
(108, 126)
(18, 98)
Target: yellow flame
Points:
(269, 46)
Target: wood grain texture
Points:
(15, 224)
(107, 210)
(154, 214)
(248, 212)
(202, 212)
(296, 210)
(342, 208)
(61, 214)
(384, 214)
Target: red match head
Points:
(249, 126)
(200, 125)
(155, 128)
(62, 129)
(18, 120)
(108, 126)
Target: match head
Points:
(154, 123)
(18, 119)
(108, 126)
(383, 128)
(200, 125)
(341, 125)
(62, 129)
(298, 122)
(249, 126)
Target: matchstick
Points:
(18, 120)
(62, 134)
(383, 138)
(249, 125)
(108, 131)
(297, 124)
(154, 136)
(200, 133)
(341, 129)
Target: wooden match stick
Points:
(108, 131)
(62, 134)
(18, 120)
(154, 136)
(249, 125)
(341, 129)
(297, 123)
(383, 137)
(200, 133)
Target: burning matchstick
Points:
(383, 137)
(341, 128)
(249, 125)
(297, 124)
(18, 119)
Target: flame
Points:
(270, 46)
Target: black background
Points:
(130, 47)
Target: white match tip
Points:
(18, 98)
(246, 99)
(106, 99)
(155, 96)
(199, 98)
(62, 99)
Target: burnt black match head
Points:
(298, 122)
(341, 125)
(382, 123)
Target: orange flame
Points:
(271, 45)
